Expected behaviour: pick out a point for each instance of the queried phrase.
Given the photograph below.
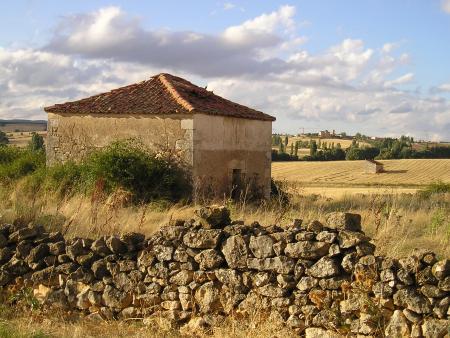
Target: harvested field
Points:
(21, 139)
(398, 173)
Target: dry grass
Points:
(39, 325)
(349, 173)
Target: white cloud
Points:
(262, 26)
(228, 5)
(404, 79)
(445, 87)
(445, 5)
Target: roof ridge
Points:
(180, 100)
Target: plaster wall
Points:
(73, 136)
(222, 144)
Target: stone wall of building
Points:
(73, 136)
(322, 280)
(223, 144)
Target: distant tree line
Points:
(388, 148)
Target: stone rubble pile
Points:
(319, 279)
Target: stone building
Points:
(373, 167)
(225, 146)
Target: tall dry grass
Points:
(398, 223)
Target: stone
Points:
(23, 249)
(184, 277)
(37, 253)
(261, 246)
(207, 297)
(235, 252)
(229, 277)
(202, 239)
(279, 264)
(397, 326)
(163, 253)
(349, 261)
(326, 318)
(432, 291)
(316, 332)
(412, 316)
(405, 277)
(100, 248)
(313, 226)
(325, 267)
(209, 259)
(100, 270)
(5, 255)
(295, 322)
(444, 284)
(326, 236)
(306, 283)
(23, 234)
(343, 221)
(434, 328)
(115, 298)
(271, 290)
(441, 269)
(215, 216)
(348, 239)
(57, 248)
(75, 249)
(412, 300)
(425, 276)
(307, 249)
(115, 245)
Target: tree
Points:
(281, 148)
(313, 148)
(292, 149)
(296, 149)
(338, 146)
(37, 142)
(286, 140)
(3, 138)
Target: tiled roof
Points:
(374, 162)
(162, 94)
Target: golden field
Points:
(21, 139)
(404, 173)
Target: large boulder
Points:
(344, 221)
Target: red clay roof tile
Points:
(162, 94)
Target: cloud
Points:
(262, 62)
(109, 33)
(404, 79)
(445, 5)
(228, 5)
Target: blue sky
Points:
(378, 67)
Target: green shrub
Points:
(130, 167)
(438, 187)
(36, 143)
(17, 163)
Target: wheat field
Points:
(405, 173)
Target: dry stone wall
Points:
(319, 279)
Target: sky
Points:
(378, 67)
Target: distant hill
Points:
(19, 125)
